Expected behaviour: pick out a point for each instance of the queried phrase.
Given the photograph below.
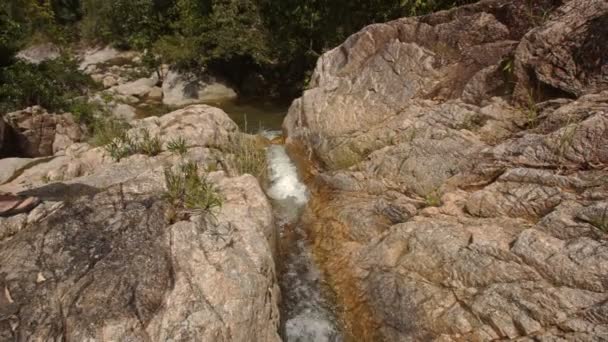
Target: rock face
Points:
(180, 90)
(38, 133)
(98, 260)
(462, 158)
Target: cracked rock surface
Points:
(454, 208)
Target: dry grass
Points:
(248, 155)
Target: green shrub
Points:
(84, 111)
(50, 84)
(178, 146)
(187, 189)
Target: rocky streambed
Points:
(445, 178)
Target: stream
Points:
(307, 314)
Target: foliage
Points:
(149, 145)
(106, 131)
(249, 156)
(49, 84)
(239, 39)
(601, 222)
(84, 111)
(122, 144)
(125, 23)
(187, 189)
(178, 146)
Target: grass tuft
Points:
(186, 189)
(178, 146)
(433, 199)
(119, 144)
(249, 155)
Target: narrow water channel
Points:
(307, 314)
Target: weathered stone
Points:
(94, 56)
(563, 54)
(180, 90)
(10, 167)
(138, 88)
(124, 112)
(98, 260)
(39, 53)
(156, 94)
(109, 81)
(39, 133)
(454, 212)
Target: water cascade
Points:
(307, 313)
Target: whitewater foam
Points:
(284, 181)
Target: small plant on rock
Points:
(432, 199)
(178, 146)
(531, 110)
(248, 154)
(123, 145)
(601, 222)
(105, 131)
(188, 190)
(149, 145)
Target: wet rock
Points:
(138, 88)
(179, 89)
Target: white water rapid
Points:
(306, 313)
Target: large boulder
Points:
(38, 133)
(452, 207)
(39, 53)
(204, 128)
(102, 258)
(93, 56)
(181, 89)
(138, 88)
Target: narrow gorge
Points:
(443, 177)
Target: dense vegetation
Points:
(275, 41)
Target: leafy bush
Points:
(187, 189)
(125, 23)
(49, 84)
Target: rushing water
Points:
(306, 311)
